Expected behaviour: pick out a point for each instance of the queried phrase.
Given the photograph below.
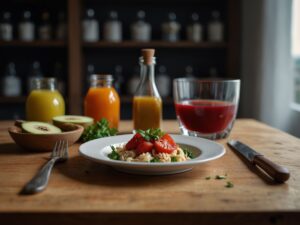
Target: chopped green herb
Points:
(154, 160)
(173, 159)
(113, 155)
(221, 177)
(98, 130)
(229, 184)
(188, 153)
(151, 134)
(207, 178)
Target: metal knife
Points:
(277, 172)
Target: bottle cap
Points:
(148, 54)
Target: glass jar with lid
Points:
(44, 101)
(102, 101)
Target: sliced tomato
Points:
(134, 142)
(163, 146)
(169, 139)
(143, 147)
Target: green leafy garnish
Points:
(154, 160)
(98, 130)
(114, 154)
(173, 159)
(188, 153)
(207, 178)
(221, 177)
(229, 184)
(151, 134)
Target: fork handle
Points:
(40, 180)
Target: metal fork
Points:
(40, 180)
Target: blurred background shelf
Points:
(154, 44)
(35, 44)
(12, 100)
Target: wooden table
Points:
(83, 192)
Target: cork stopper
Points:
(148, 54)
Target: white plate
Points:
(204, 150)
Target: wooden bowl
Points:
(44, 142)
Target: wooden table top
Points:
(81, 191)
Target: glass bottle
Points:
(171, 28)
(35, 72)
(112, 28)
(44, 101)
(61, 28)
(147, 103)
(90, 27)
(215, 28)
(26, 27)
(6, 27)
(45, 28)
(194, 30)
(11, 82)
(141, 30)
(102, 100)
(163, 81)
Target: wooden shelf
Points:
(154, 44)
(12, 100)
(38, 43)
(128, 99)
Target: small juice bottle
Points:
(44, 101)
(102, 100)
(147, 104)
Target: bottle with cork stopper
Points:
(147, 103)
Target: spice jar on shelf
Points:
(26, 27)
(171, 28)
(189, 72)
(90, 27)
(147, 103)
(6, 27)
(163, 81)
(194, 31)
(45, 28)
(141, 30)
(61, 27)
(133, 82)
(215, 28)
(35, 72)
(112, 28)
(11, 83)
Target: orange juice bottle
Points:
(102, 100)
(147, 104)
(44, 101)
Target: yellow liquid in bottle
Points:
(43, 105)
(147, 112)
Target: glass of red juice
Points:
(206, 107)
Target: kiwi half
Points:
(80, 120)
(40, 128)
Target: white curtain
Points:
(266, 72)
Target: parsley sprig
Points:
(114, 154)
(151, 134)
(188, 153)
(98, 130)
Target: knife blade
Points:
(277, 172)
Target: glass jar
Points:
(44, 101)
(147, 103)
(102, 100)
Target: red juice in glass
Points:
(205, 116)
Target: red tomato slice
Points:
(144, 147)
(169, 139)
(163, 146)
(134, 142)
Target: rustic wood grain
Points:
(81, 191)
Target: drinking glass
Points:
(206, 107)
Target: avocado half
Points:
(40, 128)
(84, 121)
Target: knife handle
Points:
(277, 172)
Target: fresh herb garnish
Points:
(154, 160)
(114, 154)
(173, 159)
(229, 184)
(188, 153)
(207, 178)
(151, 134)
(221, 177)
(98, 130)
